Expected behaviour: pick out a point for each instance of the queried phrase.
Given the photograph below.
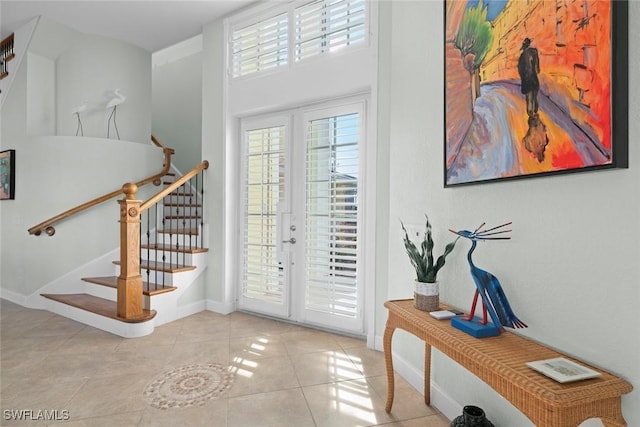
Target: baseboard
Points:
(444, 403)
(220, 307)
(14, 297)
(189, 309)
(415, 376)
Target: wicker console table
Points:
(500, 362)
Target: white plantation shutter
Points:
(263, 276)
(328, 25)
(260, 46)
(332, 216)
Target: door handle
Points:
(291, 240)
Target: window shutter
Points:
(328, 25)
(260, 46)
(332, 215)
(263, 191)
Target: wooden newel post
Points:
(130, 280)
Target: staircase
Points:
(172, 254)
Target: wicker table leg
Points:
(614, 416)
(388, 334)
(427, 374)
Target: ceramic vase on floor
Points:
(472, 416)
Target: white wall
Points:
(41, 95)
(570, 270)
(50, 179)
(88, 72)
(177, 105)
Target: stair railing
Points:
(47, 226)
(133, 214)
(6, 54)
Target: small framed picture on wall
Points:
(7, 174)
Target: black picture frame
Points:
(480, 148)
(7, 175)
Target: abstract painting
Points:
(534, 88)
(7, 174)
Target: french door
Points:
(301, 217)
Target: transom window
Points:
(318, 27)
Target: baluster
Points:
(202, 211)
(155, 249)
(171, 233)
(164, 248)
(184, 221)
(148, 250)
(192, 220)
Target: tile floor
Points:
(285, 375)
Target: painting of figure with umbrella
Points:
(534, 88)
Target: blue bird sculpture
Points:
(494, 300)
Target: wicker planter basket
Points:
(426, 296)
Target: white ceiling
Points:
(149, 24)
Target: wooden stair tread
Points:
(101, 306)
(169, 248)
(164, 267)
(112, 282)
(190, 231)
(181, 190)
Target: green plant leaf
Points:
(441, 260)
(422, 259)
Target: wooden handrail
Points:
(47, 226)
(159, 143)
(161, 194)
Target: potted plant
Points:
(426, 290)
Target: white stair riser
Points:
(181, 199)
(106, 292)
(158, 277)
(123, 329)
(180, 223)
(182, 208)
(153, 277)
(169, 257)
(183, 240)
